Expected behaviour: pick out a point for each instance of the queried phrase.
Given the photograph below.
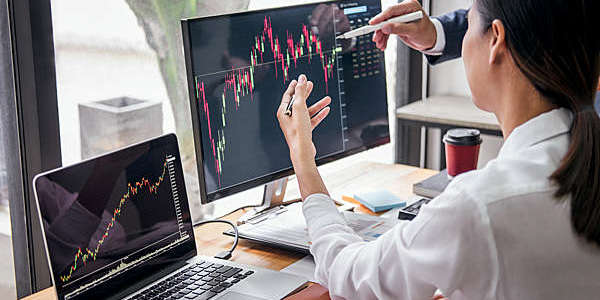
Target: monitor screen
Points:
(239, 65)
(115, 218)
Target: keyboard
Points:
(199, 281)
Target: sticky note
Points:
(379, 200)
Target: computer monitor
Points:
(238, 67)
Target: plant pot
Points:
(114, 123)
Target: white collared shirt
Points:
(495, 233)
(440, 41)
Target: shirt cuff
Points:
(320, 211)
(440, 42)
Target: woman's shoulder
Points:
(504, 178)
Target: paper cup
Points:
(462, 150)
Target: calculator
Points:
(411, 211)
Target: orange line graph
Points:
(132, 190)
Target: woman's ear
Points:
(497, 41)
(598, 84)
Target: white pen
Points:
(370, 28)
(288, 110)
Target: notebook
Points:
(432, 186)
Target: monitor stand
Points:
(272, 198)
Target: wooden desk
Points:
(361, 176)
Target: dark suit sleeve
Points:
(455, 26)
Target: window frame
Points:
(37, 136)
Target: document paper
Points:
(289, 227)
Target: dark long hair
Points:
(556, 44)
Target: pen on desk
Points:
(267, 214)
(288, 110)
(370, 28)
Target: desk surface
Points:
(449, 110)
(210, 240)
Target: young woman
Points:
(527, 226)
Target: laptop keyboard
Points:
(199, 281)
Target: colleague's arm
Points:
(419, 35)
(439, 38)
(454, 27)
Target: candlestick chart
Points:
(84, 255)
(274, 56)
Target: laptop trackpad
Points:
(238, 296)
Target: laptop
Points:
(118, 226)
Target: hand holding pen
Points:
(301, 89)
(297, 127)
(288, 110)
(296, 120)
(419, 35)
(414, 16)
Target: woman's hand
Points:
(297, 129)
(419, 35)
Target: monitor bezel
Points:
(206, 198)
(190, 244)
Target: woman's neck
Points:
(518, 103)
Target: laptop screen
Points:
(115, 218)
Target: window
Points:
(121, 77)
(7, 275)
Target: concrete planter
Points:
(110, 124)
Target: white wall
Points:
(449, 78)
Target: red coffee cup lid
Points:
(463, 137)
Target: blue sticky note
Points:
(379, 200)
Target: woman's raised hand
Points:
(297, 127)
